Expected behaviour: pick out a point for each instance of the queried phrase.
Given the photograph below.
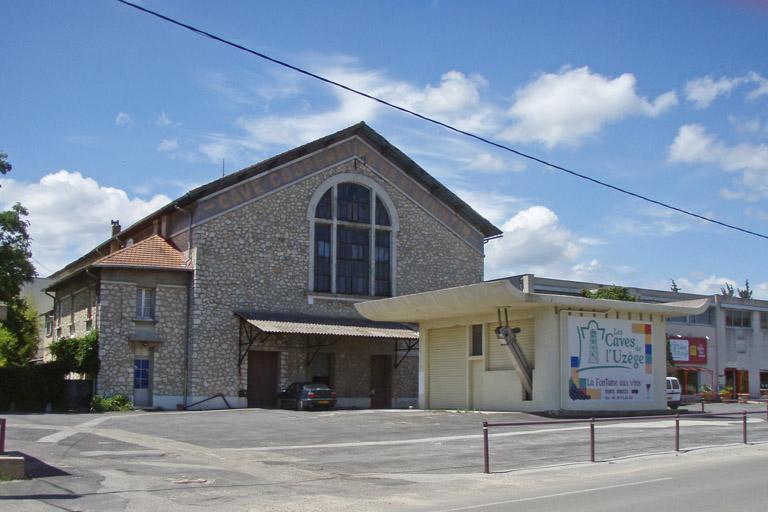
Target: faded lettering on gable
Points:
(262, 185)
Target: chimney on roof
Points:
(115, 244)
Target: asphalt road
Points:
(356, 460)
(717, 480)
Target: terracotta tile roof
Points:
(152, 252)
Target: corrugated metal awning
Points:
(326, 326)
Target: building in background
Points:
(247, 284)
(724, 346)
(42, 303)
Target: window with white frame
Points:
(48, 325)
(352, 232)
(145, 303)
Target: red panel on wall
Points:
(689, 350)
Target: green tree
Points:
(727, 290)
(746, 292)
(5, 167)
(609, 292)
(18, 334)
(18, 340)
(674, 287)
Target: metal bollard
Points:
(744, 426)
(2, 436)
(592, 440)
(486, 459)
(677, 432)
(702, 405)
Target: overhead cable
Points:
(440, 123)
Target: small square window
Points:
(476, 348)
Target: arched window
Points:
(352, 228)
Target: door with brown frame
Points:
(263, 371)
(381, 382)
(738, 380)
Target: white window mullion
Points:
(372, 247)
(334, 217)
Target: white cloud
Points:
(748, 125)
(704, 90)
(163, 120)
(533, 241)
(706, 286)
(494, 206)
(488, 162)
(69, 214)
(650, 221)
(761, 86)
(694, 145)
(168, 145)
(567, 107)
(123, 119)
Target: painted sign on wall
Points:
(610, 360)
(688, 350)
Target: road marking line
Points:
(102, 453)
(393, 442)
(58, 436)
(556, 495)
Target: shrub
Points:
(79, 355)
(31, 388)
(111, 403)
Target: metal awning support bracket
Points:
(508, 336)
(404, 347)
(252, 336)
(319, 342)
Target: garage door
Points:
(448, 351)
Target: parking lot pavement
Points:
(179, 459)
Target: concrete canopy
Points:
(484, 297)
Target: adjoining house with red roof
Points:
(246, 284)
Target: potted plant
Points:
(706, 392)
(726, 393)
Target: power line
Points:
(440, 123)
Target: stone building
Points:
(247, 284)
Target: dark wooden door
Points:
(381, 382)
(262, 378)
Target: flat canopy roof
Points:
(326, 326)
(483, 298)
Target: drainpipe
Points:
(188, 327)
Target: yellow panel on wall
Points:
(447, 362)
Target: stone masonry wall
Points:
(116, 350)
(117, 307)
(351, 365)
(257, 257)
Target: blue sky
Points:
(109, 113)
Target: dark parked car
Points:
(306, 395)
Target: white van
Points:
(673, 392)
